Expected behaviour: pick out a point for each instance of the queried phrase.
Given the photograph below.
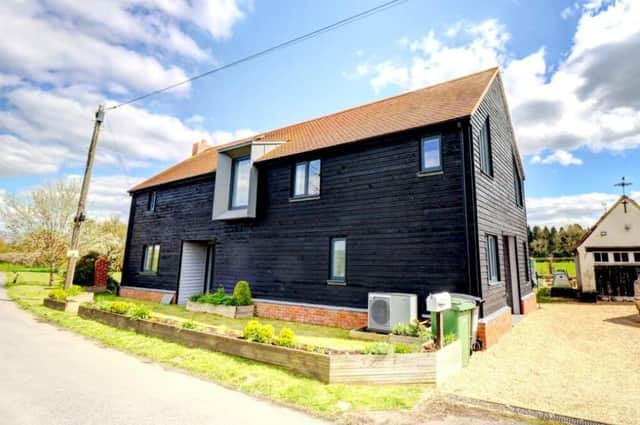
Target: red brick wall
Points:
(528, 305)
(101, 272)
(490, 332)
(315, 315)
(143, 294)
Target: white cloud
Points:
(387, 73)
(59, 59)
(584, 209)
(108, 196)
(583, 102)
(52, 128)
(8, 80)
(558, 157)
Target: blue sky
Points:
(569, 70)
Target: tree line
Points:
(553, 242)
(38, 229)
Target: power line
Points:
(287, 43)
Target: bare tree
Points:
(43, 220)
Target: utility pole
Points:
(80, 216)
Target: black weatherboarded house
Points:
(418, 193)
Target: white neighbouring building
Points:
(608, 256)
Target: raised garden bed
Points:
(364, 334)
(427, 367)
(234, 312)
(70, 305)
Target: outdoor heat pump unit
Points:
(387, 309)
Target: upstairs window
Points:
(306, 179)
(151, 258)
(431, 152)
(492, 259)
(151, 201)
(636, 257)
(240, 169)
(486, 162)
(338, 272)
(517, 184)
(601, 257)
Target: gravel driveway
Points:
(579, 360)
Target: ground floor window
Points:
(621, 257)
(338, 272)
(151, 258)
(492, 259)
(601, 257)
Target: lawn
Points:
(569, 266)
(245, 375)
(320, 336)
(8, 267)
(573, 359)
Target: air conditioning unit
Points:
(387, 309)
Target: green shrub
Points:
(286, 338)
(216, 298)
(103, 305)
(139, 312)
(242, 293)
(189, 324)
(75, 290)
(254, 331)
(120, 307)
(61, 294)
(407, 348)
(449, 338)
(414, 329)
(85, 269)
(378, 348)
(58, 294)
(542, 294)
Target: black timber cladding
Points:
(496, 210)
(405, 232)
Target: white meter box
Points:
(439, 302)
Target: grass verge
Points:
(245, 375)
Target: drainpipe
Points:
(465, 209)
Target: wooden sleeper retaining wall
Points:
(336, 368)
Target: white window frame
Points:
(493, 260)
(333, 278)
(234, 183)
(306, 192)
(430, 139)
(486, 159)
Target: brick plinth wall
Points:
(491, 329)
(101, 272)
(340, 318)
(528, 304)
(144, 294)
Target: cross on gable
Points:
(623, 184)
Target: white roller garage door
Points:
(192, 270)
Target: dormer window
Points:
(306, 179)
(240, 182)
(236, 190)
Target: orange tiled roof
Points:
(434, 104)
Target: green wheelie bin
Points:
(457, 320)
